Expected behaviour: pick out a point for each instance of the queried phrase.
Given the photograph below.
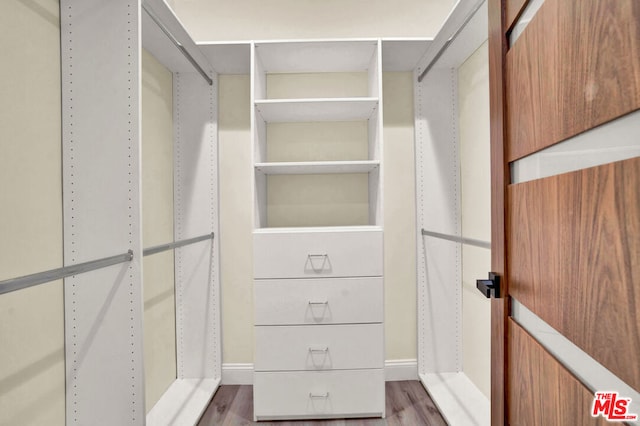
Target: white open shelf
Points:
(298, 229)
(317, 167)
(458, 399)
(468, 41)
(234, 57)
(476, 31)
(160, 46)
(320, 109)
(183, 403)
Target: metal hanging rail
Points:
(175, 41)
(169, 246)
(450, 40)
(456, 239)
(20, 283)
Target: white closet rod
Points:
(175, 244)
(179, 45)
(26, 281)
(456, 239)
(446, 44)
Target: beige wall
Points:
(299, 19)
(236, 218)
(157, 228)
(32, 375)
(399, 217)
(473, 89)
(236, 211)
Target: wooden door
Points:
(567, 246)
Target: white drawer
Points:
(318, 394)
(318, 301)
(318, 347)
(317, 253)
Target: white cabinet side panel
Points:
(375, 121)
(259, 129)
(438, 200)
(196, 213)
(100, 50)
(374, 72)
(376, 146)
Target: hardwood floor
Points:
(408, 404)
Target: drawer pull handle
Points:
(323, 350)
(326, 302)
(325, 258)
(318, 395)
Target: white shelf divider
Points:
(319, 109)
(317, 167)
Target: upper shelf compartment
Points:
(316, 56)
(348, 68)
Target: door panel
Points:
(566, 246)
(576, 65)
(544, 393)
(513, 9)
(574, 241)
(499, 181)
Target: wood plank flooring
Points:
(408, 404)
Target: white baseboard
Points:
(394, 370)
(237, 374)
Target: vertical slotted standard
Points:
(196, 213)
(101, 184)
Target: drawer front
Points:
(318, 301)
(319, 347)
(318, 254)
(317, 394)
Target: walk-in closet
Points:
(172, 151)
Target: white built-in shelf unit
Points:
(322, 107)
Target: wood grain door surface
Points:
(567, 247)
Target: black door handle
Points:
(491, 287)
